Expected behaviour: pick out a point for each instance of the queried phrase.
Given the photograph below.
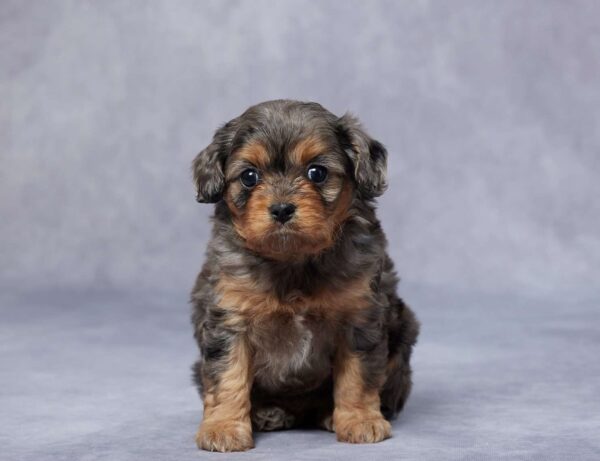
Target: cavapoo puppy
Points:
(295, 310)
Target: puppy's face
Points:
(288, 201)
(288, 173)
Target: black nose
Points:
(282, 212)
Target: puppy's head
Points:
(288, 173)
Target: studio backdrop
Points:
(490, 114)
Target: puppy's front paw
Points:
(355, 429)
(225, 436)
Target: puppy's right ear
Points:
(208, 165)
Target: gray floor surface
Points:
(89, 376)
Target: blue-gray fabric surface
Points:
(491, 115)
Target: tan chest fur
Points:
(242, 297)
(292, 339)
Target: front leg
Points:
(227, 382)
(358, 378)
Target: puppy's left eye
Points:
(317, 173)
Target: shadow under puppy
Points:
(295, 310)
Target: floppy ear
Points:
(208, 165)
(368, 157)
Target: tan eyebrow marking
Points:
(255, 153)
(307, 149)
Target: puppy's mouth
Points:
(284, 237)
(286, 242)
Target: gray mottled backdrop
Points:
(489, 110)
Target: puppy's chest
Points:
(291, 351)
(293, 337)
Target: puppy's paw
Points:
(327, 423)
(271, 419)
(357, 430)
(225, 436)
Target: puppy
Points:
(295, 310)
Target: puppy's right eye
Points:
(249, 178)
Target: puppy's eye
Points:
(249, 177)
(317, 173)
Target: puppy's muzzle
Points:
(282, 212)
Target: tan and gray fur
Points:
(298, 322)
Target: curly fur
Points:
(297, 324)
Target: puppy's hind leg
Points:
(283, 411)
(271, 418)
(403, 332)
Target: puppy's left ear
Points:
(368, 157)
(208, 165)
